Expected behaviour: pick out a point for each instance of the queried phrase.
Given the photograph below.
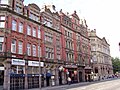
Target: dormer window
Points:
(18, 9)
(34, 17)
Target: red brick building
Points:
(29, 35)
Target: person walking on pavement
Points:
(69, 80)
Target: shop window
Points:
(17, 69)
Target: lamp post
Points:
(39, 59)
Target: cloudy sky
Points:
(102, 15)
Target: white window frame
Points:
(14, 25)
(39, 33)
(20, 47)
(29, 49)
(34, 50)
(20, 27)
(29, 30)
(2, 21)
(13, 46)
(34, 32)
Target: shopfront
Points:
(17, 74)
(88, 75)
(33, 74)
(71, 71)
(1, 74)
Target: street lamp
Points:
(39, 59)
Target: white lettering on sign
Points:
(18, 62)
(35, 63)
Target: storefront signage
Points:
(1, 68)
(71, 66)
(18, 62)
(35, 63)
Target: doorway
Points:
(60, 78)
(80, 76)
(1, 74)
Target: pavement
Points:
(65, 87)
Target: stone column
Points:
(56, 76)
(45, 76)
(64, 78)
(26, 78)
(7, 70)
(83, 75)
(78, 75)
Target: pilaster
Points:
(7, 70)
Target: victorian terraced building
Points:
(29, 34)
(101, 59)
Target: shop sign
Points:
(35, 63)
(18, 62)
(1, 68)
(71, 66)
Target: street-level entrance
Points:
(1, 74)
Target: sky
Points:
(102, 15)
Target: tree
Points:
(116, 64)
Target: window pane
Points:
(21, 27)
(13, 46)
(34, 32)
(28, 30)
(38, 33)
(1, 46)
(34, 50)
(14, 25)
(29, 49)
(20, 47)
(2, 17)
(2, 24)
(4, 2)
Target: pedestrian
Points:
(69, 80)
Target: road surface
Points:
(107, 85)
